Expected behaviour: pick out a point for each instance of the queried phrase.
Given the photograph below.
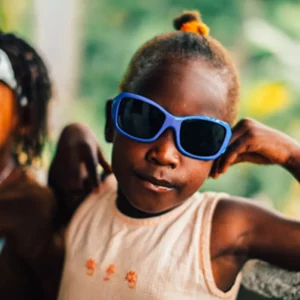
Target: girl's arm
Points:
(74, 170)
(254, 231)
(259, 233)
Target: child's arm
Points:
(258, 233)
(73, 172)
(254, 231)
(242, 231)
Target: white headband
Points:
(7, 74)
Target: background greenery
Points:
(263, 36)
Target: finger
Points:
(239, 130)
(214, 169)
(103, 162)
(252, 158)
(89, 158)
(71, 171)
(64, 173)
(223, 162)
(230, 156)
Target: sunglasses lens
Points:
(139, 119)
(201, 137)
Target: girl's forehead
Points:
(190, 88)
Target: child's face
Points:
(189, 88)
(8, 116)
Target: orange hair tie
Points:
(195, 27)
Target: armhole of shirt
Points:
(204, 250)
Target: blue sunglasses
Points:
(143, 120)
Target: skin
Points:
(240, 229)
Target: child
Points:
(31, 251)
(26, 208)
(147, 233)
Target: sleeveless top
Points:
(112, 256)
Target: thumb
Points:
(103, 162)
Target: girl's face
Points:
(8, 115)
(189, 88)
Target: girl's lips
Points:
(155, 188)
(155, 185)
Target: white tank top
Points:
(111, 256)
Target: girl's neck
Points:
(126, 208)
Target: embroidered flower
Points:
(91, 266)
(109, 271)
(131, 277)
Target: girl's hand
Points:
(74, 170)
(256, 143)
(77, 158)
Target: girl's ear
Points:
(109, 126)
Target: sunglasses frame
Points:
(171, 121)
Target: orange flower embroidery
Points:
(110, 270)
(131, 277)
(91, 266)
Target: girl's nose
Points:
(163, 151)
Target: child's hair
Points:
(33, 87)
(190, 41)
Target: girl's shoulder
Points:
(237, 219)
(236, 211)
(24, 192)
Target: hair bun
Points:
(190, 21)
(185, 17)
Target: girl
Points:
(147, 233)
(31, 251)
(26, 208)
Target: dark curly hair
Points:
(33, 83)
(179, 46)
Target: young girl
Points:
(147, 233)
(26, 208)
(30, 257)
